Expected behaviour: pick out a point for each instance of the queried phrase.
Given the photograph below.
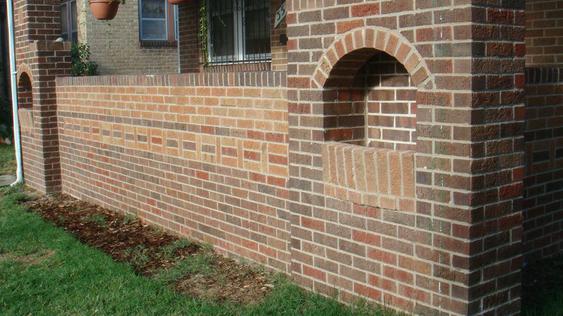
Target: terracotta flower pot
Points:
(104, 9)
(178, 1)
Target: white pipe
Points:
(14, 86)
(177, 31)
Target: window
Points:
(69, 29)
(239, 31)
(158, 22)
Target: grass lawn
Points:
(46, 271)
(7, 160)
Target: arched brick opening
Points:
(25, 92)
(370, 100)
(370, 78)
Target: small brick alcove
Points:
(369, 119)
(25, 114)
(370, 100)
(25, 93)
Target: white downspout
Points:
(177, 26)
(14, 86)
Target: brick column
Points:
(456, 251)
(497, 164)
(39, 61)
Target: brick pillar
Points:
(39, 61)
(496, 166)
(456, 250)
(190, 48)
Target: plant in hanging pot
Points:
(174, 2)
(104, 9)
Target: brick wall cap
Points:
(249, 79)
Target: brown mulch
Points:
(229, 281)
(113, 233)
(150, 251)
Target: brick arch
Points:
(25, 69)
(377, 38)
(25, 90)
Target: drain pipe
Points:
(14, 92)
(177, 27)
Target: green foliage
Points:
(7, 160)
(81, 64)
(203, 31)
(197, 264)
(129, 219)
(5, 119)
(169, 251)
(97, 219)
(139, 256)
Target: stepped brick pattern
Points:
(396, 151)
(205, 155)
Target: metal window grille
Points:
(239, 31)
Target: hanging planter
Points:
(104, 9)
(175, 2)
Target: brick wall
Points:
(116, 47)
(446, 254)
(202, 155)
(192, 60)
(543, 202)
(416, 203)
(544, 33)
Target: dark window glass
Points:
(222, 43)
(157, 21)
(257, 27)
(239, 30)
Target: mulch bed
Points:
(150, 251)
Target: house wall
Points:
(543, 199)
(204, 155)
(543, 195)
(192, 59)
(115, 44)
(544, 33)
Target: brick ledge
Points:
(247, 79)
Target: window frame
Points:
(239, 32)
(171, 21)
(70, 33)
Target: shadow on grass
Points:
(543, 288)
